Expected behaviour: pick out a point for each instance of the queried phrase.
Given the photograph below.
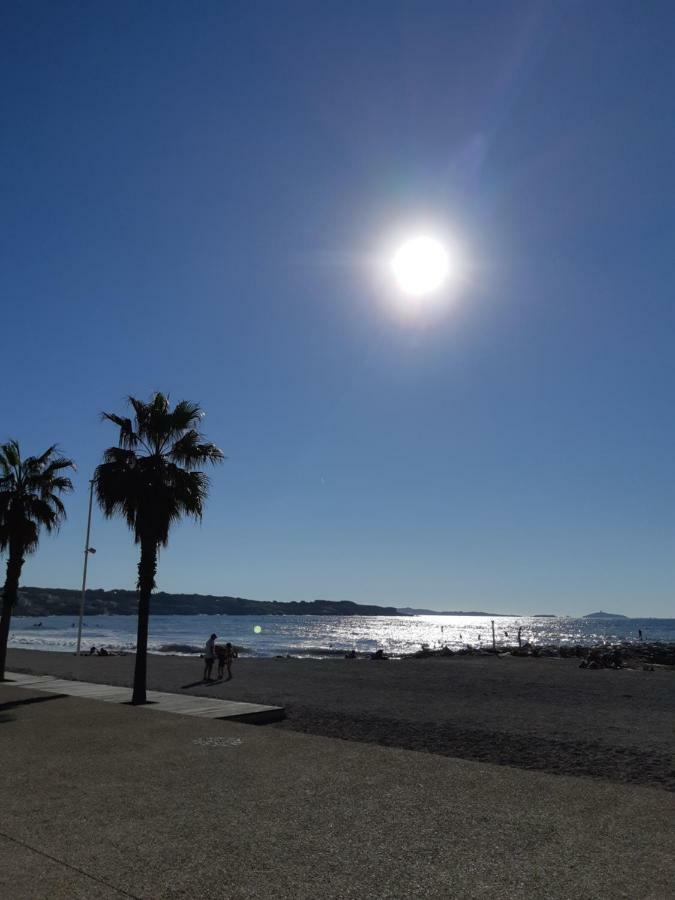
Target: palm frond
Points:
(191, 452)
(57, 465)
(120, 456)
(10, 455)
(40, 462)
(142, 413)
(186, 415)
(128, 437)
(43, 513)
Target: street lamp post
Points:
(87, 551)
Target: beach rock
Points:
(425, 651)
(621, 655)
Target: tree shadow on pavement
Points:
(12, 704)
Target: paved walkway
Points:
(185, 705)
(102, 800)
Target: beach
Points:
(529, 713)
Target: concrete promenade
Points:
(103, 800)
(158, 701)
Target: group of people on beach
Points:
(224, 654)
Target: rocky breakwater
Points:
(625, 655)
(645, 656)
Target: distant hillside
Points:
(409, 611)
(34, 601)
(604, 615)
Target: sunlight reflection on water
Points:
(331, 635)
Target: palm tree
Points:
(151, 479)
(29, 501)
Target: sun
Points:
(421, 266)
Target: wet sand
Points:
(542, 714)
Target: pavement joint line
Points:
(160, 701)
(62, 862)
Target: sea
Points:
(327, 636)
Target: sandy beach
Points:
(541, 714)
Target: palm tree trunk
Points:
(147, 567)
(9, 596)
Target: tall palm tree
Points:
(151, 479)
(29, 501)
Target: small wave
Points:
(316, 652)
(183, 649)
(189, 649)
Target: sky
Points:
(200, 199)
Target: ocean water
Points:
(325, 636)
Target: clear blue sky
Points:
(191, 196)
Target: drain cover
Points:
(217, 742)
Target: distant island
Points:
(35, 601)
(604, 615)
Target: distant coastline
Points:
(36, 601)
(39, 601)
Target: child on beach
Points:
(225, 656)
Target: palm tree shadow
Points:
(12, 704)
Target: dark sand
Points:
(544, 714)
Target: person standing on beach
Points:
(225, 656)
(209, 657)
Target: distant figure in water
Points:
(209, 657)
(379, 654)
(639, 634)
(225, 656)
(350, 654)
(103, 652)
(92, 651)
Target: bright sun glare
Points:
(420, 265)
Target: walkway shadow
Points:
(12, 704)
(202, 683)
